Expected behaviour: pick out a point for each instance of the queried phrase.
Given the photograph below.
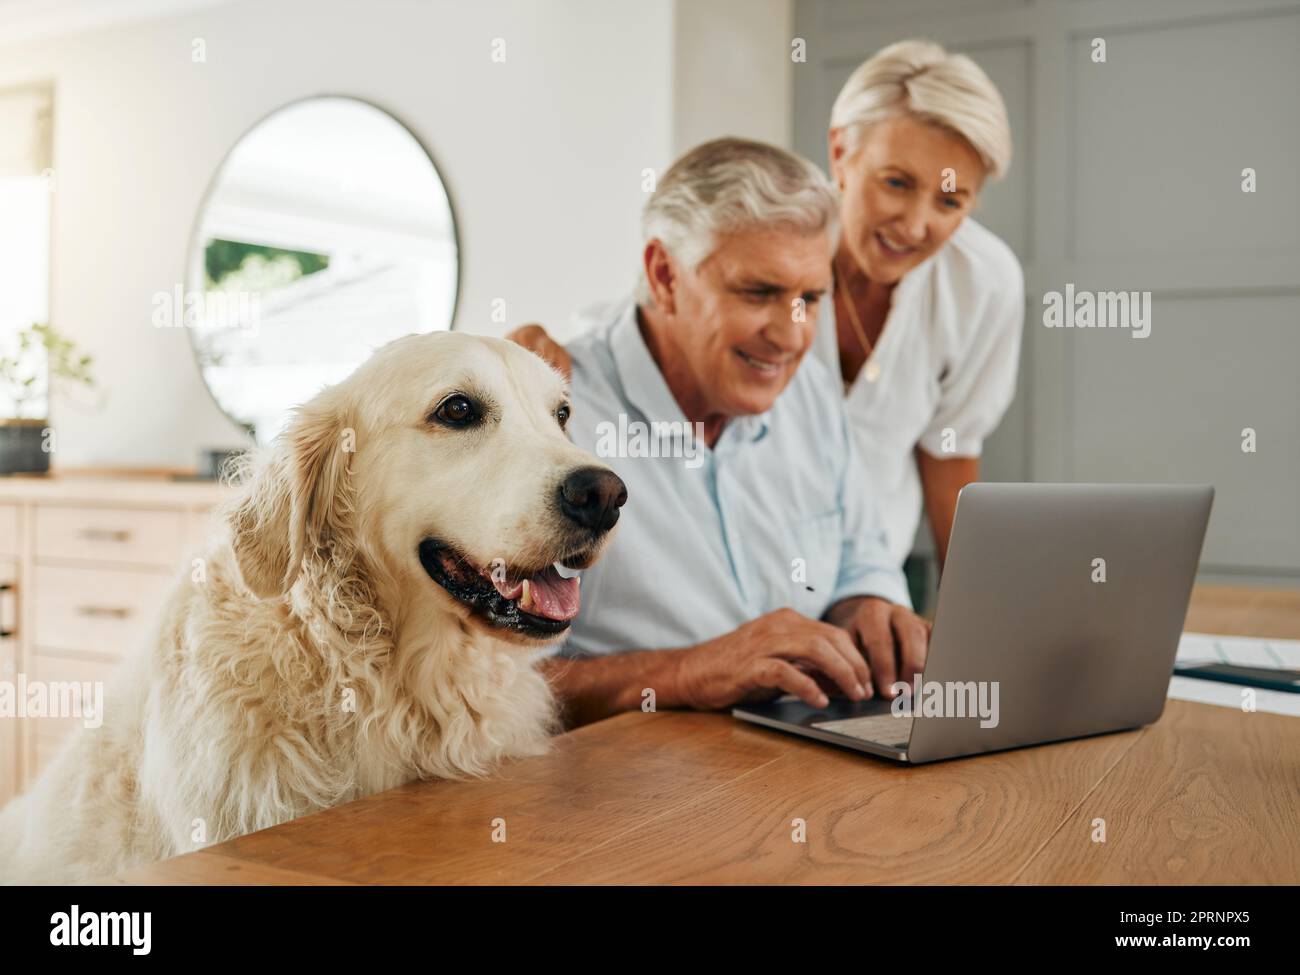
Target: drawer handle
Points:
(116, 612)
(7, 632)
(106, 534)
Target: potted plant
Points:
(26, 380)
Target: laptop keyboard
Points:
(883, 729)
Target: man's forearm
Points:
(592, 688)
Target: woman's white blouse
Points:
(945, 369)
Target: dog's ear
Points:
(296, 503)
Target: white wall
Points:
(732, 71)
(542, 156)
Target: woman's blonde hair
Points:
(921, 79)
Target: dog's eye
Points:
(456, 411)
(562, 414)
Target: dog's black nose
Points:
(591, 496)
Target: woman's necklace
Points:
(870, 368)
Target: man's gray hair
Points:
(729, 185)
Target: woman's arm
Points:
(940, 482)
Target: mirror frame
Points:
(193, 251)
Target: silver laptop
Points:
(1060, 611)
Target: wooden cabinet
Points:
(85, 564)
(8, 671)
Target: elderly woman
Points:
(928, 307)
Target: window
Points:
(26, 188)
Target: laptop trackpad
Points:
(885, 729)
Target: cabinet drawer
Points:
(8, 529)
(105, 612)
(46, 735)
(123, 535)
(8, 728)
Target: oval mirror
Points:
(326, 232)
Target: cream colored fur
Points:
(309, 660)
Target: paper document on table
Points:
(1246, 651)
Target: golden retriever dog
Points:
(367, 614)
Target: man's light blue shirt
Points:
(775, 514)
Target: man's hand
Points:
(535, 340)
(892, 638)
(775, 651)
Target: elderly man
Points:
(750, 561)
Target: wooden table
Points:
(1206, 795)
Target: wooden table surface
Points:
(1207, 795)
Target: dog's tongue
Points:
(546, 594)
(550, 595)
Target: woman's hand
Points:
(534, 338)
